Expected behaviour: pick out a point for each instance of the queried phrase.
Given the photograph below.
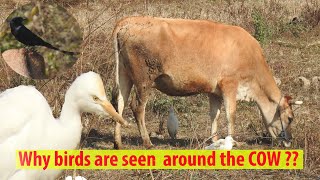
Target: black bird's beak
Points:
(23, 19)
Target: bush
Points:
(262, 31)
(311, 13)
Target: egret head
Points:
(229, 139)
(229, 143)
(88, 92)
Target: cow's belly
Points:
(182, 87)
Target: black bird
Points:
(27, 37)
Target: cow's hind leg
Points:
(215, 108)
(229, 92)
(120, 97)
(138, 105)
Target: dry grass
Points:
(286, 48)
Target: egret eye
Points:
(95, 98)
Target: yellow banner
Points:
(159, 159)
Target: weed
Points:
(262, 30)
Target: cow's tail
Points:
(123, 82)
(115, 90)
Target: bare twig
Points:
(151, 174)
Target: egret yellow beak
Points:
(115, 116)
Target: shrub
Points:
(262, 30)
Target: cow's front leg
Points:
(229, 92)
(230, 105)
(138, 106)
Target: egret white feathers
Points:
(222, 144)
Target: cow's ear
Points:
(288, 98)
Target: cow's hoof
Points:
(117, 146)
(148, 145)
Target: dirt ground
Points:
(292, 50)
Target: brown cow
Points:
(185, 57)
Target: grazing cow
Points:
(186, 57)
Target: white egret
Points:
(27, 123)
(172, 124)
(222, 144)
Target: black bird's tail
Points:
(50, 46)
(65, 52)
(69, 53)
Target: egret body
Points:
(172, 124)
(222, 144)
(27, 123)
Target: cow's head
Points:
(280, 127)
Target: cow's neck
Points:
(268, 104)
